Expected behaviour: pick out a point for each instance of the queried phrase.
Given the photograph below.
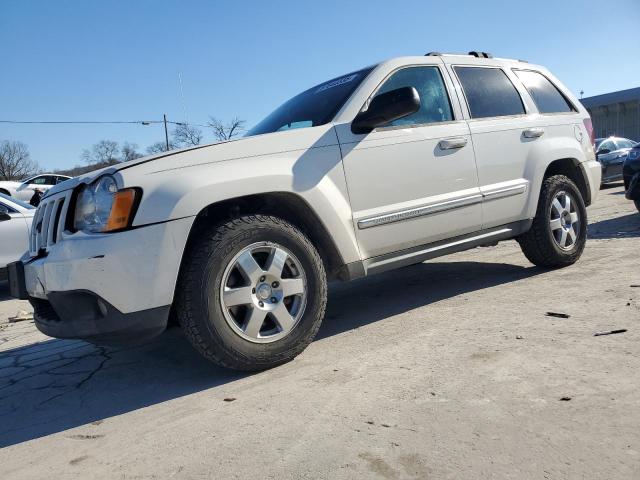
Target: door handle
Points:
(452, 143)
(533, 132)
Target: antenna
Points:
(184, 105)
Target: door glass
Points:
(545, 94)
(489, 92)
(434, 100)
(39, 181)
(607, 145)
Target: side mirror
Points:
(4, 213)
(387, 107)
(604, 151)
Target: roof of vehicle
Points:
(473, 54)
(468, 59)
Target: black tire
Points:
(198, 303)
(6, 192)
(637, 203)
(538, 244)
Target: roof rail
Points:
(473, 53)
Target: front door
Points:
(413, 181)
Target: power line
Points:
(89, 122)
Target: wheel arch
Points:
(572, 169)
(5, 191)
(285, 205)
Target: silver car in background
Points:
(15, 224)
(611, 153)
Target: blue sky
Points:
(120, 59)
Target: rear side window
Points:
(489, 92)
(434, 100)
(545, 94)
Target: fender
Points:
(541, 156)
(310, 167)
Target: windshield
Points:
(16, 201)
(314, 107)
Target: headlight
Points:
(101, 207)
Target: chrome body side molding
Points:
(419, 211)
(492, 192)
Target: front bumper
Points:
(104, 288)
(612, 171)
(631, 175)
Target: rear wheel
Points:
(252, 293)
(559, 231)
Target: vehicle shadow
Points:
(56, 385)
(627, 226)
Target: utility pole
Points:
(166, 133)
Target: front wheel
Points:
(252, 293)
(559, 231)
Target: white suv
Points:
(387, 166)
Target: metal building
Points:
(615, 113)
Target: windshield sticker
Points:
(335, 83)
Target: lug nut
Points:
(275, 284)
(274, 299)
(253, 290)
(262, 278)
(261, 304)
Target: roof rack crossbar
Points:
(473, 53)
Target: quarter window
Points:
(545, 94)
(434, 100)
(489, 92)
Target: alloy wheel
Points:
(263, 292)
(564, 220)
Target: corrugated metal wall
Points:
(618, 119)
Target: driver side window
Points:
(38, 181)
(607, 145)
(434, 100)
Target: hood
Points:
(9, 183)
(259, 145)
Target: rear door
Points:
(413, 181)
(503, 135)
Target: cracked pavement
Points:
(448, 369)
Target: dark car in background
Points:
(631, 175)
(611, 153)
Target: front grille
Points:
(48, 222)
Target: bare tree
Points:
(103, 152)
(186, 135)
(160, 147)
(226, 131)
(15, 161)
(129, 151)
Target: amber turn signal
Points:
(121, 210)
